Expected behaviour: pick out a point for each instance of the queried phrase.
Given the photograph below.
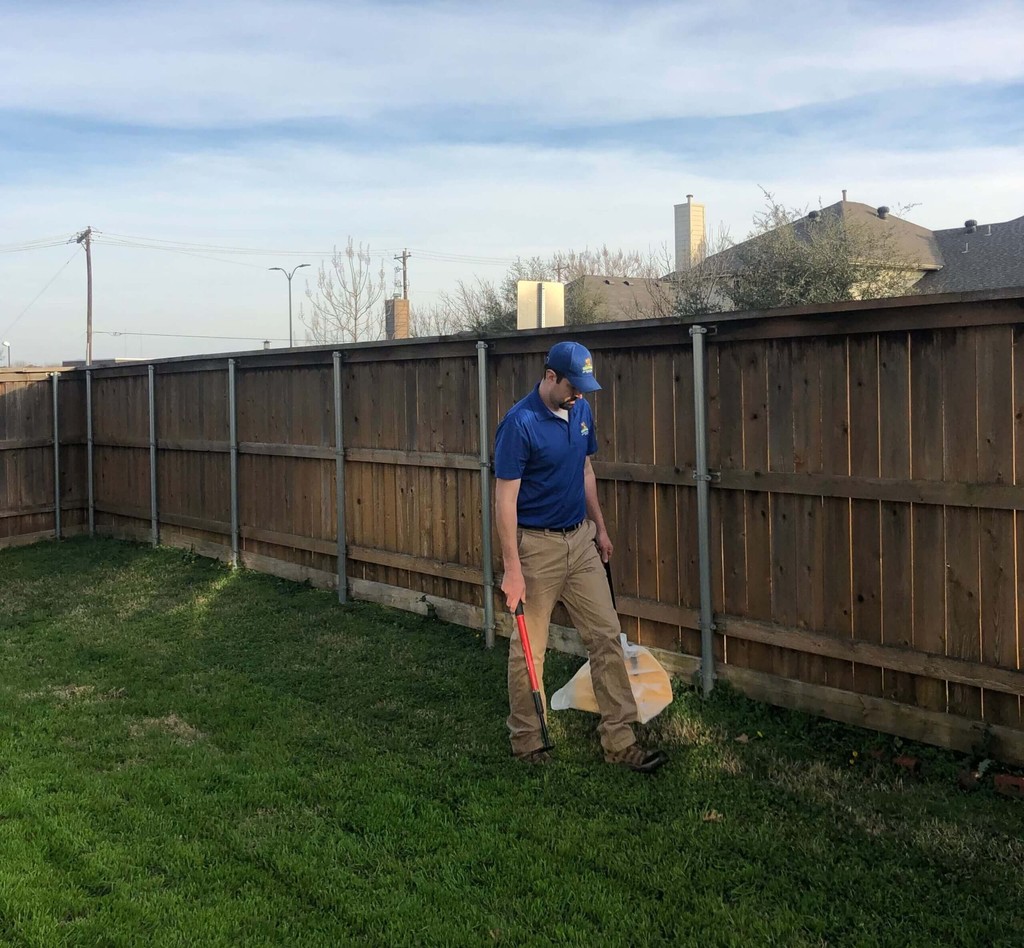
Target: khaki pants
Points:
(568, 567)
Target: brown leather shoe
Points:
(637, 758)
(540, 755)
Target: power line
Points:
(41, 292)
(40, 244)
(179, 335)
(198, 249)
(154, 243)
(188, 253)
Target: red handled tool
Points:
(532, 672)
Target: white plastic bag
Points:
(649, 682)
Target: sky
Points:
(205, 142)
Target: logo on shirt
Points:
(584, 430)
(588, 367)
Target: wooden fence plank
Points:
(784, 510)
(864, 515)
(997, 550)
(728, 508)
(895, 518)
(756, 512)
(963, 530)
(1018, 480)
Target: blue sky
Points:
(465, 129)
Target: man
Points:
(553, 543)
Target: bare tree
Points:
(703, 288)
(446, 317)
(484, 306)
(346, 304)
(569, 265)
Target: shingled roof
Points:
(618, 298)
(957, 260)
(977, 257)
(906, 240)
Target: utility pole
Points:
(404, 257)
(559, 267)
(86, 238)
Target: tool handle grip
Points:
(524, 637)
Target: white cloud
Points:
(207, 65)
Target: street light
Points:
(291, 340)
(7, 346)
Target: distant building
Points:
(690, 233)
(958, 260)
(609, 299)
(977, 257)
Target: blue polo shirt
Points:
(547, 454)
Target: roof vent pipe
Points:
(970, 226)
(883, 212)
(844, 194)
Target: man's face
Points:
(566, 394)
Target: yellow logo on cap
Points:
(588, 367)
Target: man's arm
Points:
(603, 541)
(513, 585)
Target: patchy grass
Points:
(192, 756)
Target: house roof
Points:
(908, 241)
(956, 260)
(991, 256)
(623, 297)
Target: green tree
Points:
(793, 258)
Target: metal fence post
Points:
(233, 437)
(154, 524)
(485, 495)
(339, 481)
(56, 457)
(703, 479)
(88, 452)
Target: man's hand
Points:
(514, 587)
(604, 545)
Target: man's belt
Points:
(562, 530)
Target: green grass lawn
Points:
(192, 756)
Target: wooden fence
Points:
(867, 466)
(32, 486)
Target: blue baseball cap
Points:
(574, 362)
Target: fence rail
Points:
(866, 464)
